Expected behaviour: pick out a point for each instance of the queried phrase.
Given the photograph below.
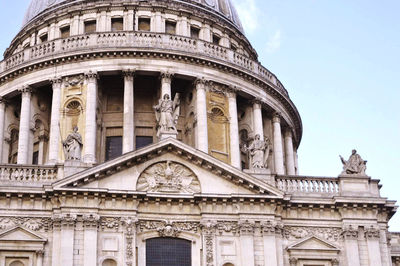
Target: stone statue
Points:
(73, 146)
(258, 151)
(354, 165)
(167, 114)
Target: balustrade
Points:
(150, 40)
(27, 173)
(308, 185)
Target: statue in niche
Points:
(354, 165)
(167, 114)
(258, 151)
(73, 146)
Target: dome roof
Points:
(223, 7)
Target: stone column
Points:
(129, 112)
(2, 129)
(290, 164)
(351, 246)
(67, 239)
(166, 79)
(201, 109)
(269, 239)
(372, 236)
(258, 122)
(39, 257)
(54, 142)
(91, 127)
(278, 153)
(247, 243)
(234, 129)
(90, 223)
(42, 147)
(56, 242)
(24, 125)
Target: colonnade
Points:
(282, 146)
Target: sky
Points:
(339, 60)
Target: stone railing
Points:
(28, 174)
(308, 185)
(124, 40)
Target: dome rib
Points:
(224, 8)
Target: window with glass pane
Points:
(144, 24)
(216, 39)
(194, 32)
(113, 147)
(170, 27)
(164, 251)
(65, 32)
(117, 24)
(44, 38)
(90, 26)
(35, 158)
(143, 141)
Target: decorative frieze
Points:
(297, 232)
(169, 228)
(228, 227)
(32, 223)
(110, 223)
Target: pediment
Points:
(20, 234)
(313, 243)
(149, 170)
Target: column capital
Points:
(231, 91)
(129, 74)
(350, 232)
(90, 220)
(247, 227)
(372, 233)
(289, 132)
(166, 76)
(91, 76)
(271, 228)
(3, 101)
(43, 137)
(200, 82)
(256, 102)
(276, 117)
(26, 90)
(56, 82)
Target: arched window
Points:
(109, 262)
(16, 263)
(228, 264)
(165, 251)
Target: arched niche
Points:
(12, 140)
(109, 262)
(170, 177)
(228, 264)
(72, 116)
(16, 263)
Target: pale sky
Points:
(339, 60)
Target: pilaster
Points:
(90, 223)
(269, 231)
(350, 235)
(247, 242)
(208, 229)
(91, 124)
(372, 235)
(24, 125)
(130, 240)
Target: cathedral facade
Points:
(147, 133)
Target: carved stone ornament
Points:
(355, 165)
(297, 232)
(350, 232)
(247, 227)
(74, 81)
(170, 177)
(110, 223)
(271, 227)
(169, 228)
(32, 223)
(167, 115)
(372, 233)
(228, 227)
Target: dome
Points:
(223, 7)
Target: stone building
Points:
(144, 132)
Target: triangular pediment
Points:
(20, 234)
(199, 173)
(313, 243)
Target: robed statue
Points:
(73, 146)
(354, 165)
(167, 114)
(258, 151)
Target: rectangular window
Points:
(113, 147)
(194, 32)
(90, 26)
(35, 158)
(216, 39)
(65, 32)
(170, 27)
(44, 38)
(143, 141)
(144, 24)
(117, 24)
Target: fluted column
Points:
(247, 242)
(258, 122)
(128, 143)
(290, 164)
(201, 109)
(166, 79)
(91, 127)
(2, 117)
(278, 153)
(54, 141)
(24, 125)
(234, 129)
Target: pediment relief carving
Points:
(313, 243)
(168, 177)
(20, 234)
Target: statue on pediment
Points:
(167, 114)
(258, 151)
(354, 165)
(72, 146)
(168, 177)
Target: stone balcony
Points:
(112, 43)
